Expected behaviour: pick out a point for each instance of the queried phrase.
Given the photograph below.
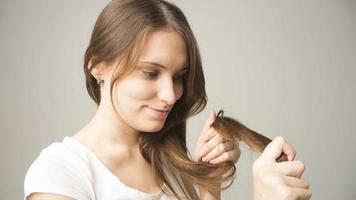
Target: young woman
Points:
(144, 71)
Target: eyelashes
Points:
(180, 77)
(154, 75)
(150, 75)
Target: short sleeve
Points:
(56, 171)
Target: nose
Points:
(169, 92)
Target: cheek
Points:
(180, 95)
(179, 91)
(136, 90)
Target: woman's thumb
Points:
(275, 148)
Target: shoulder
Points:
(59, 158)
(59, 169)
(46, 196)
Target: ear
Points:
(97, 70)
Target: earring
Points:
(99, 80)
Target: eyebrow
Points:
(164, 67)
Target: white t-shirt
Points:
(72, 169)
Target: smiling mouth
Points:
(159, 113)
(160, 110)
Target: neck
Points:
(108, 131)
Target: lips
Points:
(160, 110)
(159, 113)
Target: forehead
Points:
(165, 47)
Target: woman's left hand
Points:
(212, 147)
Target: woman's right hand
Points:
(279, 181)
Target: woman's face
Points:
(144, 98)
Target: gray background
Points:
(281, 67)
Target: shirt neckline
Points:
(87, 149)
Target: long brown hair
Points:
(119, 34)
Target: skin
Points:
(279, 181)
(114, 138)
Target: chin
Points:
(153, 127)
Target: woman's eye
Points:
(179, 77)
(154, 75)
(150, 74)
